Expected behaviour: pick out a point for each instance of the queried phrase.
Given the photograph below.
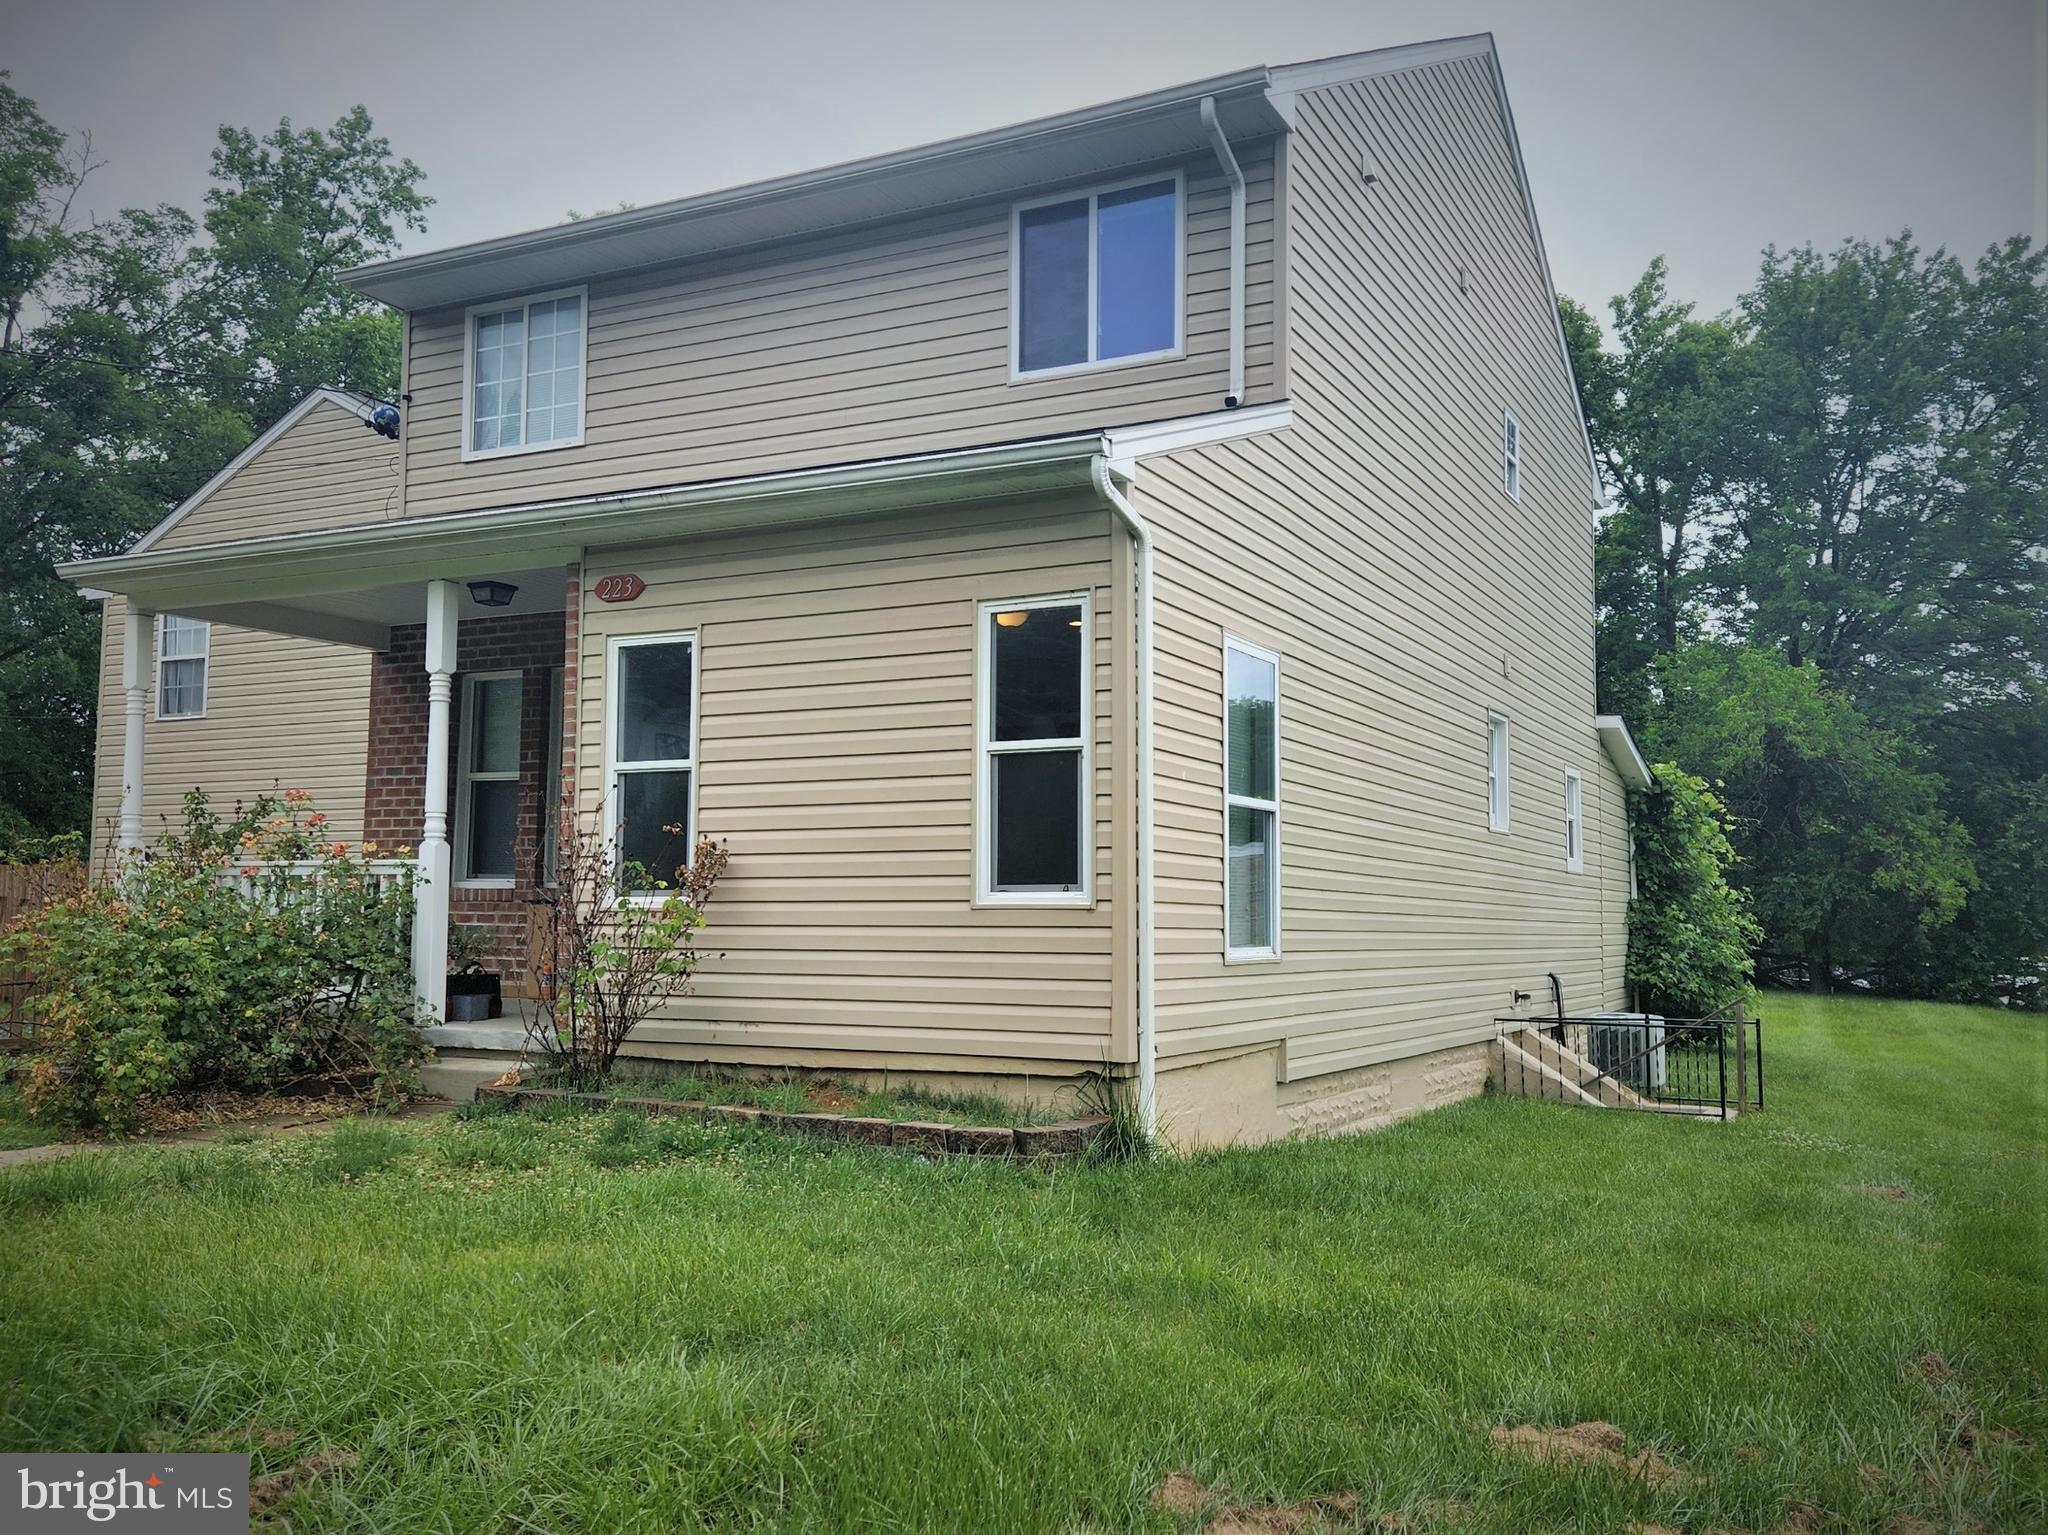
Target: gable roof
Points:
(353, 401)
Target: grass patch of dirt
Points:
(1588, 1444)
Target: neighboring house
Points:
(1121, 586)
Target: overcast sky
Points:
(1701, 130)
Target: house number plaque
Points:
(618, 588)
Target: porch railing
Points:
(270, 878)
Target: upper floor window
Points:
(1251, 796)
(1034, 826)
(182, 645)
(525, 375)
(1497, 772)
(1511, 455)
(1097, 277)
(1574, 823)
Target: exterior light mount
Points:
(492, 594)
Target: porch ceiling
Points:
(350, 585)
(367, 617)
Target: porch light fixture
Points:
(492, 594)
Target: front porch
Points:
(478, 618)
(464, 761)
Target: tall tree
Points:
(91, 443)
(289, 212)
(1822, 585)
(1847, 853)
(137, 357)
(1658, 413)
(1886, 515)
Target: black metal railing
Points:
(1712, 1065)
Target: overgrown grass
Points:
(803, 1095)
(582, 1322)
(17, 1130)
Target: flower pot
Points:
(473, 996)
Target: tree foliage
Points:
(1690, 929)
(138, 354)
(1821, 588)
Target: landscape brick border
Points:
(1060, 1142)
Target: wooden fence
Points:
(24, 888)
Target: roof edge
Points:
(678, 210)
(1622, 751)
(353, 404)
(368, 555)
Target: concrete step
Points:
(1527, 1075)
(1570, 1064)
(456, 1076)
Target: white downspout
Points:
(1141, 549)
(1228, 161)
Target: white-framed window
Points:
(1034, 833)
(523, 371)
(182, 648)
(1574, 822)
(650, 733)
(1251, 801)
(1511, 455)
(1097, 277)
(1497, 772)
(487, 785)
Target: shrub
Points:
(202, 965)
(1690, 933)
(613, 944)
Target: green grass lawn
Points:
(592, 1323)
(17, 1130)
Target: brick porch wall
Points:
(395, 778)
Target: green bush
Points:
(1690, 933)
(202, 965)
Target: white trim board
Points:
(1622, 751)
(278, 428)
(1125, 446)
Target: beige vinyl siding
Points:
(1607, 860)
(281, 712)
(1373, 548)
(328, 470)
(861, 345)
(836, 756)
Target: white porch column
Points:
(430, 915)
(135, 662)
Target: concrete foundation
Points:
(1239, 1099)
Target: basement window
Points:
(1033, 836)
(1096, 278)
(1251, 800)
(651, 753)
(523, 388)
(182, 647)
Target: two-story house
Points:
(1120, 585)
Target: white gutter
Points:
(1141, 549)
(1221, 144)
